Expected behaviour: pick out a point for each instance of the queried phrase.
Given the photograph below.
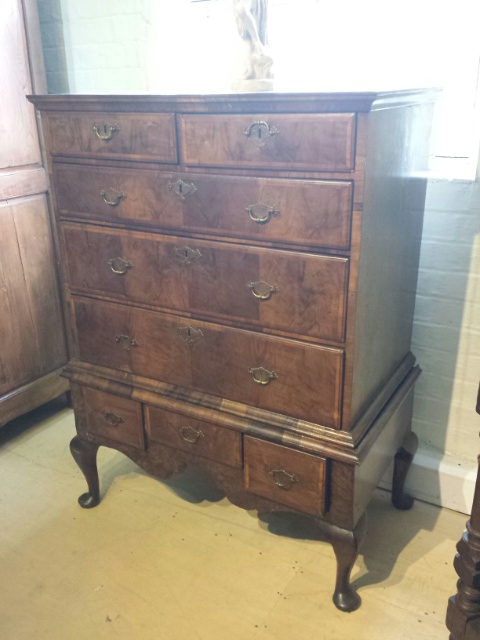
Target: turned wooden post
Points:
(463, 613)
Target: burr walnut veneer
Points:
(240, 274)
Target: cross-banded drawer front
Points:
(285, 376)
(312, 212)
(301, 293)
(290, 477)
(195, 436)
(149, 137)
(311, 142)
(109, 415)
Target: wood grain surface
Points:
(112, 416)
(303, 484)
(307, 292)
(217, 360)
(297, 141)
(195, 436)
(31, 324)
(150, 137)
(309, 212)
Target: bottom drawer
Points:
(195, 436)
(281, 474)
(108, 415)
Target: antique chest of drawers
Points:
(240, 277)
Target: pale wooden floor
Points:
(157, 561)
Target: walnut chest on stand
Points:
(240, 273)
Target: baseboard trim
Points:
(438, 479)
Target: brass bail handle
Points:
(262, 213)
(112, 419)
(260, 133)
(119, 266)
(190, 434)
(112, 197)
(262, 290)
(283, 479)
(262, 376)
(105, 131)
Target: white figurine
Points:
(251, 18)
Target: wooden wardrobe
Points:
(32, 335)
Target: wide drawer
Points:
(285, 376)
(195, 436)
(312, 142)
(300, 293)
(108, 415)
(295, 211)
(114, 135)
(290, 477)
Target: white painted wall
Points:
(446, 341)
(105, 45)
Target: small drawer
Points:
(301, 293)
(277, 374)
(195, 436)
(114, 135)
(104, 414)
(310, 142)
(283, 475)
(312, 212)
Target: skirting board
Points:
(438, 479)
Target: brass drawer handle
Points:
(261, 213)
(260, 132)
(190, 434)
(186, 255)
(112, 197)
(112, 418)
(106, 131)
(182, 190)
(126, 342)
(262, 290)
(119, 266)
(262, 375)
(283, 479)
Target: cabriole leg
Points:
(346, 545)
(403, 461)
(84, 453)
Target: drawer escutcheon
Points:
(182, 190)
(126, 342)
(190, 335)
(186, 255)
